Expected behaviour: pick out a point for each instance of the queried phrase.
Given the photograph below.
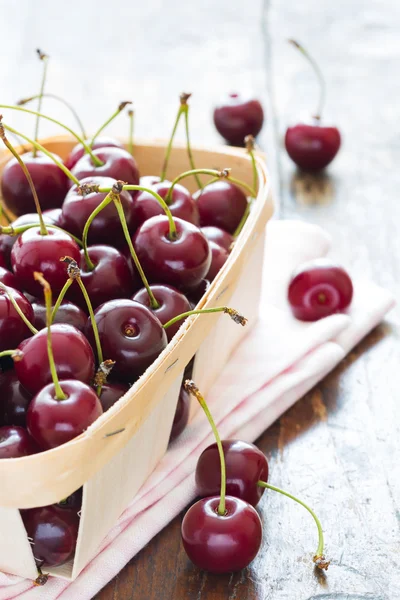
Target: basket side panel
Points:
(15, 550)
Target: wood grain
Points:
(339, 446)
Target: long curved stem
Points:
(188, 146)
(10, 230)
(60, 298)
(17, 309)
(4, 214)
(115, 114)
(131, 116)
(45, 59)
(242, 221)
(92, 320)
(235, 316)
(78, 120)
(244, 185)
(169, 147)
(212, 172)
(318, 73)
(107, 200)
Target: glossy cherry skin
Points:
(130, 334)
(67, 313)
(182, 262)
(54, 532)
(118, 164)
(111, 393)
(16, 442)
(312, 147)
(35, 252)
(237, 116)
(221, 544)
(73, 357)
(14, 400)
(181, 205)
(49, 181)
(181, 417)
(78, 151)
(219, 256)
(218, 236)
(149, 180)
(221, 204)
(106, 227)
(319, 288)
(172, 303)
(53, 422)
(3, 262)
(12, 329)
(245, 465)
(53, 216)
(8, 278)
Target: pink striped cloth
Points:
(278, 362)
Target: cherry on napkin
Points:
(276, 364)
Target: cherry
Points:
(73, 501)
(237, 116)
(12, 329)
(15, 400)
(53, 216)
(72, 354)
(221, 543)
(149, 180)
(181, 262)
(181, 204)
(130, 334)
(35, 252)
(181, 417)
(171, 304)
(245, 466)
(9, 279)
(198, 292)
(106, 226)
(16, 442)
(52, 421)
(221, 204)
(54, 532)
(219, 236)
(219, 256)
(67, 313)
(3, 262)
(111, 393)
(319, 288)
(50, 182)
(100, 142)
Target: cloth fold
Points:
(276, 364)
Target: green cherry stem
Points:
(60, 298)
(10, 230)
(212, 172)
(318, 73)
(4, 214)
(188, 146)
(17, 309)
(48, 301)
(234, 315)
(45, 60)
(115, 114)
(243, 220)
(319, 557)
(171, 140)
(250, 146)
(15, 354)
(72, 110)
(131, 116)
(192, 389)
(107, 200)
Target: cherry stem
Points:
(60, 298)
(48, 301)
(4, 214)
(234, 315)
(320, 550)
(318, 73)
(17, 308)
(107, 200)
(242, 221)
(213, 172)
(250, 145)
(10, 230)
(113, 116)
(96, 161)
(251, 192)
(192, 388)
(131, 116)
(24, 101)
(43, 230)
(15, 354)
(45, 60)
(188, 146)
(169, 147)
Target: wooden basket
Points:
(113, 458)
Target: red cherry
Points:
(111, 393)
(219, 236)
(181, 417)
(319, 288)
(182, 262)
(67, 313)
(12, 329)
(237, 117)
(53, 422)
(73, 501)
(221, 544)
(72, 354)
(219, 256)
(49, 181)
(16, 442)
(198, 292)
(149, 180)
(181, 205)
(245, 465)
(35, 252)
(221, 204)
(9, 279)
(312, 147)
(53, 216)
(14, 401)
(3, 262)
(100, 142)
(172, 303)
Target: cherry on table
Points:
(219, 256)
(181, 204)
(218, 236)
(12, 329)
(312, 147)
(221, 204)
(68, 313)
(15, 400)
(181, 417)
(100, 142)
(16, 442)
(111, 393)
(238, 116)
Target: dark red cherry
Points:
(245, 465)
(149, 180)
(130, 334)
(73, 357)
(181, 414)
(8, 278)
(218, 236)
(237, 116)
(182, 262)
(312, 147)
(49, 181)
(198, 292)
(53, 216)
(117, 164)
(16, 442)
(67, 313)
(172, 303)
(3, 262)
(181, 205)
(319, 288)
(106, 227)
(12, 328)
(78, 151)
(54, 532)
(219, 256)
(14, 400)
(221, 544)
(73, 501)
(35, 252)
(221, 204)
(111, 393)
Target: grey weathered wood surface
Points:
(339, 446)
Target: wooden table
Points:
(338, 447)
